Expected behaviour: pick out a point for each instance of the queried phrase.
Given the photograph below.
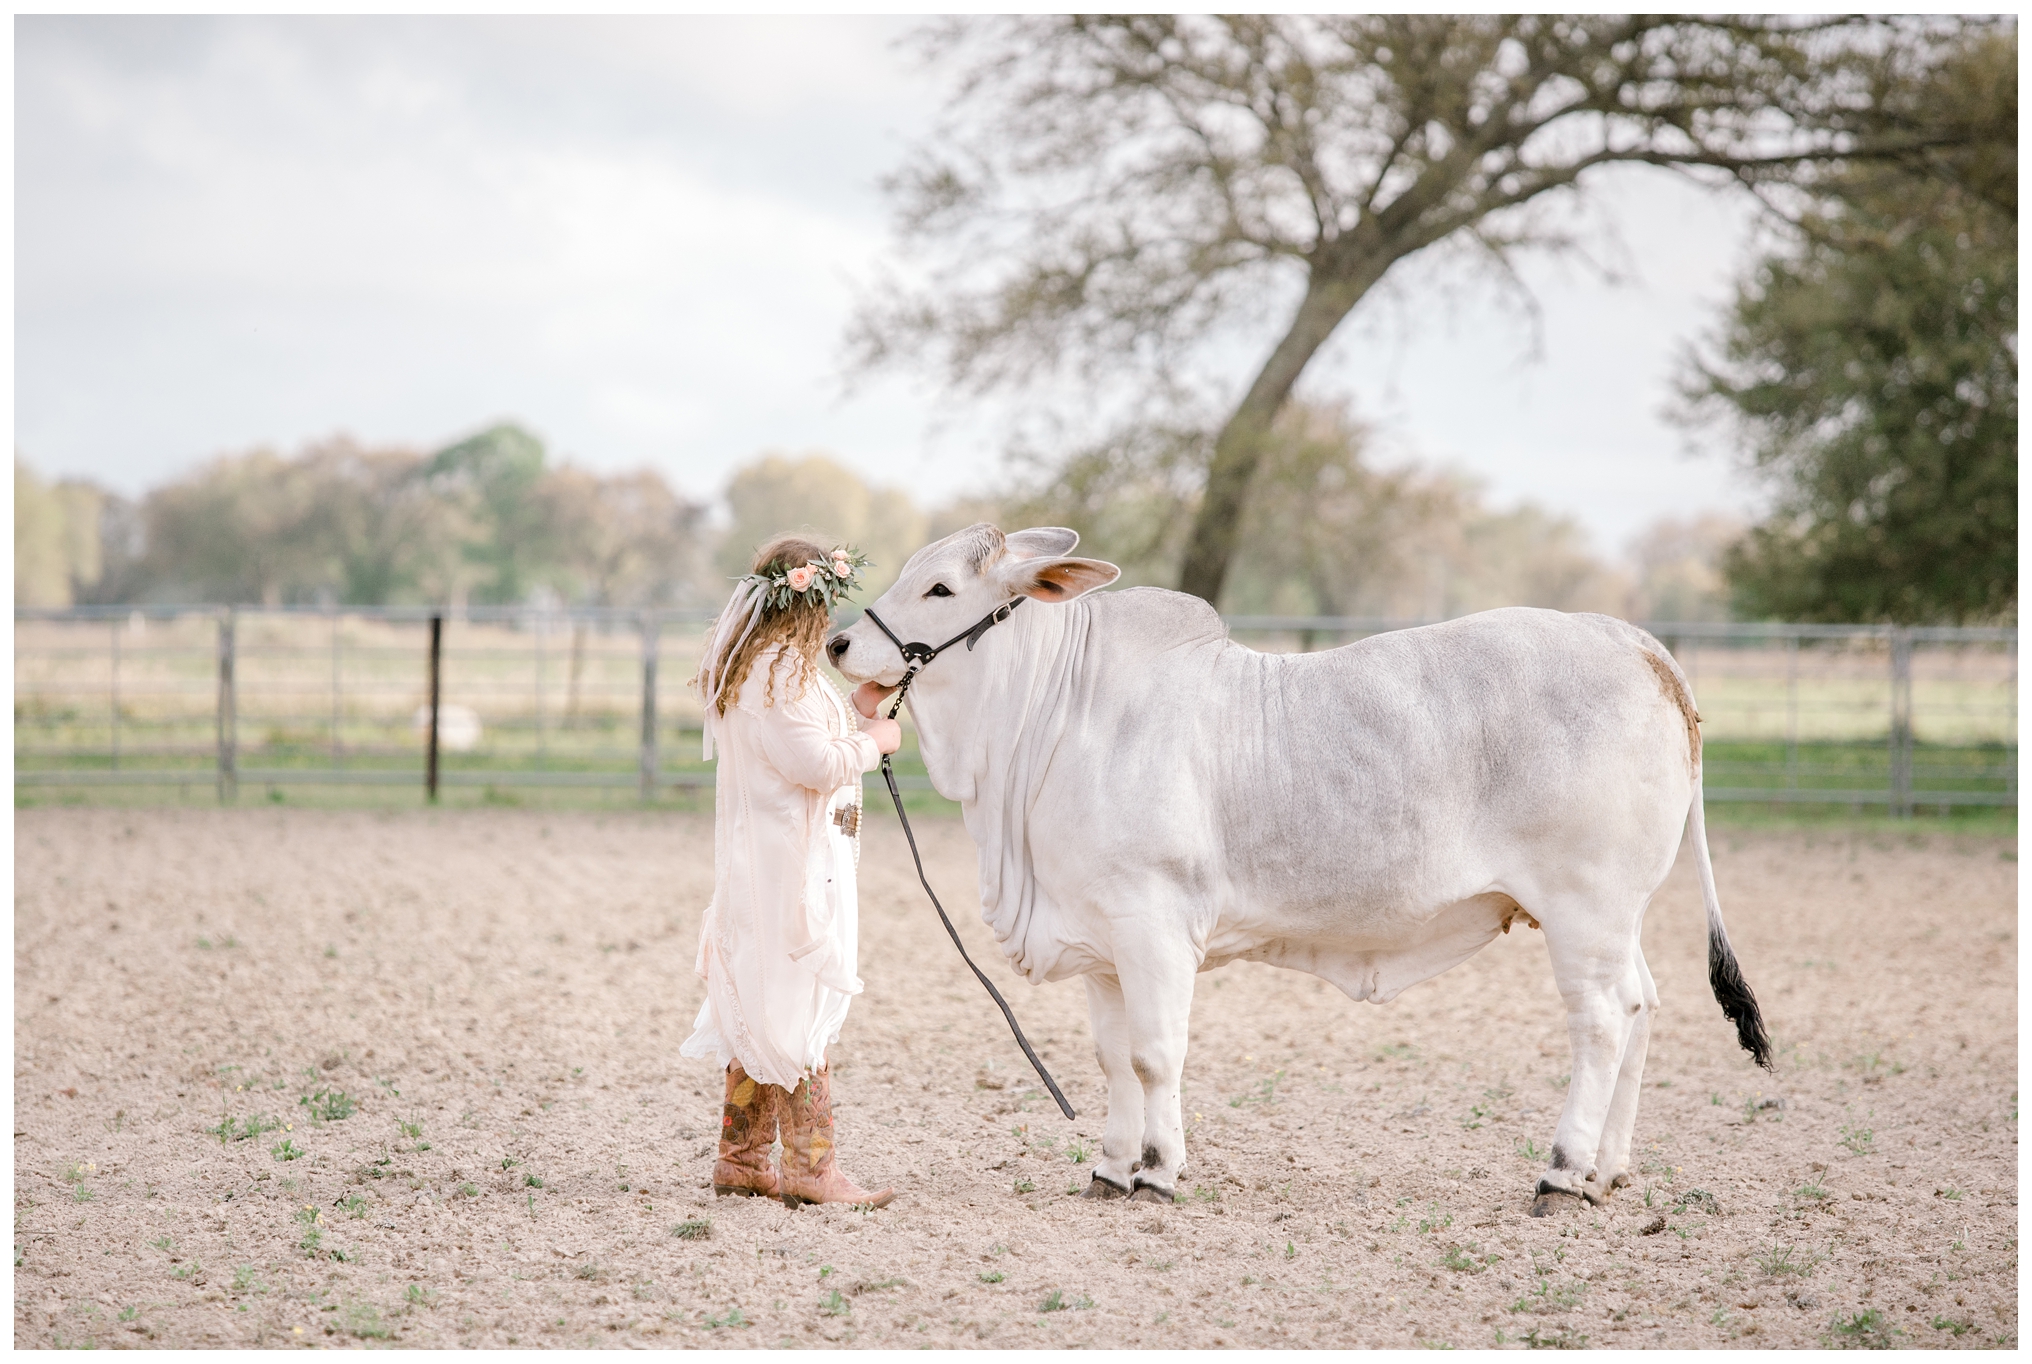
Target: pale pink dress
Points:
(779, 944)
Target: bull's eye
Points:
(939, 590)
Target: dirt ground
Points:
(467, 1023)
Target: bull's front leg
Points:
(1114, 1174)
(1156, 971)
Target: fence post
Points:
(114, 695)
(228, 716)
(338, 690)
(430, 742)
(1901, 722)
(648, 762)
(1792, 712)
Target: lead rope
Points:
(889, 776)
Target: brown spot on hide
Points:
(1516, 912)
(1675, 692)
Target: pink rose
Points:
(842, 568)
(800, 577)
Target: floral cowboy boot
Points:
(747, 1127)
(811, 1174)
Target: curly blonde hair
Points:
(800, 628)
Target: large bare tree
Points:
(1118, 192)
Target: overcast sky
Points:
(641, 238)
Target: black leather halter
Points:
(915, 657)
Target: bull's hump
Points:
(1158, 618)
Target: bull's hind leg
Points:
(1601, 977)
(1114, 1174)
(1612, 1165)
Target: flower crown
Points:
(816, 582)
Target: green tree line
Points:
(492, 520)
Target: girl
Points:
(777, 950)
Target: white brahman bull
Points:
(1151, 799)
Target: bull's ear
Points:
(1039, 541)
(1054, 579)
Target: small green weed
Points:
(1858, 1138)
(1024, 1184)
(733, 1318)
(1778, 1261)
(992, 1276)
(329, 1105)
(253, 1125)
(1957, 1328)
(1468, 1259)
(312, 1222)
(1053, 1302)
(1078, 1152)
(363, 1322)
(835, 1304)
(286, 1149)
(354, 1206)
(1548, 1297)
(419, 1296)
(1565, 1338)
(1531, 1151)
(693, 1229)
(1867, 1330)
(1698, 1200)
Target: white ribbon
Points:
(730, 630)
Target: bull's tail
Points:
(1731, 991)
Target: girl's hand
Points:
(887, 734)
(868, 697)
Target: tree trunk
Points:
(1329, 297)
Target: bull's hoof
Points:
(1554, 1201)
(1101, 1188)
(1149, 1193)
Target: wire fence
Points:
(225, 698)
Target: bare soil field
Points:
(327, 1079)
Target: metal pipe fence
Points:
(500, 697)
